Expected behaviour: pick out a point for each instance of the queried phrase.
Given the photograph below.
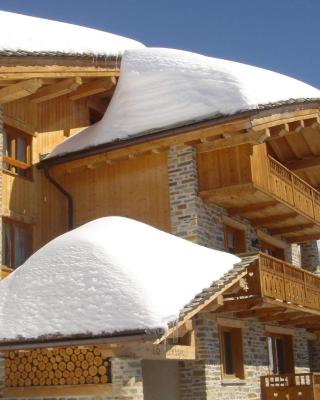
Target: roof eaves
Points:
(79, 340)
(218, 285)
(176, 129)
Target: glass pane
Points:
(280, 356)
(7, 245)
(20, 246)
(272, 364)
(21, 149)
(7, 139)
(228, 361)
(6, 148)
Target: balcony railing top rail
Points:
(286, 380)
(305, 386)
(282, 281)
(292, 189)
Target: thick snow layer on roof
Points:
(24, 34)
(111, 275)
(159, 88)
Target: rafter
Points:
(304, 238)
(19, 90)
(92, 88)
(291, 228)
(265, 221)
(282, 316)
(304, 164)
(260, 312)
(234, 140)
(98, 105)
(251, 208)
(306, 320)
(56, 90)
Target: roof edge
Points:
(179, 129)
(77, 340)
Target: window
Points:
(17, 152)
(234, 239)
(16, 243)
(280, 350)
(231, 352)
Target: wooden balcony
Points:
(250, 183)
(284, 282)
(291, 387)
(275, 291)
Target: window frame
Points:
(28, 250)
(14, 163)
(236, 350)
(239, 231)
(288, 353)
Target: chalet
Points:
(217, 153)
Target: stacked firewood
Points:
(56, 366)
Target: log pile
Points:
(55, 366)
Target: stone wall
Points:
(310, 258)
(314, 354)
(201, 380)
(126, 379)
(193, 220)
(293, 254)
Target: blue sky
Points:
(282, 35)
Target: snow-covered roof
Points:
(109, 276)
(25, 35)
(161, 88)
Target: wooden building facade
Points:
(247, 183)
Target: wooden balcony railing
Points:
(304, 386)
(282, 281)
(293, 190)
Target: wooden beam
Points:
(240, 305)
(230, 322)
(280, 118)
(95, 87)
(56, 90)
(251, 208)
(68, 69)
(18, 123)
(305, 238)
(273, 302)
(214, 305)
(19, 90)
(213, 194)
(150, 351)
(292, 228)
(234, 140)
(280, 330)
(98, 105)
(260, 312)
(265, 221)
(307, 319)
(284, 315)
(59, 391)
(16, 163)
(304, 164)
